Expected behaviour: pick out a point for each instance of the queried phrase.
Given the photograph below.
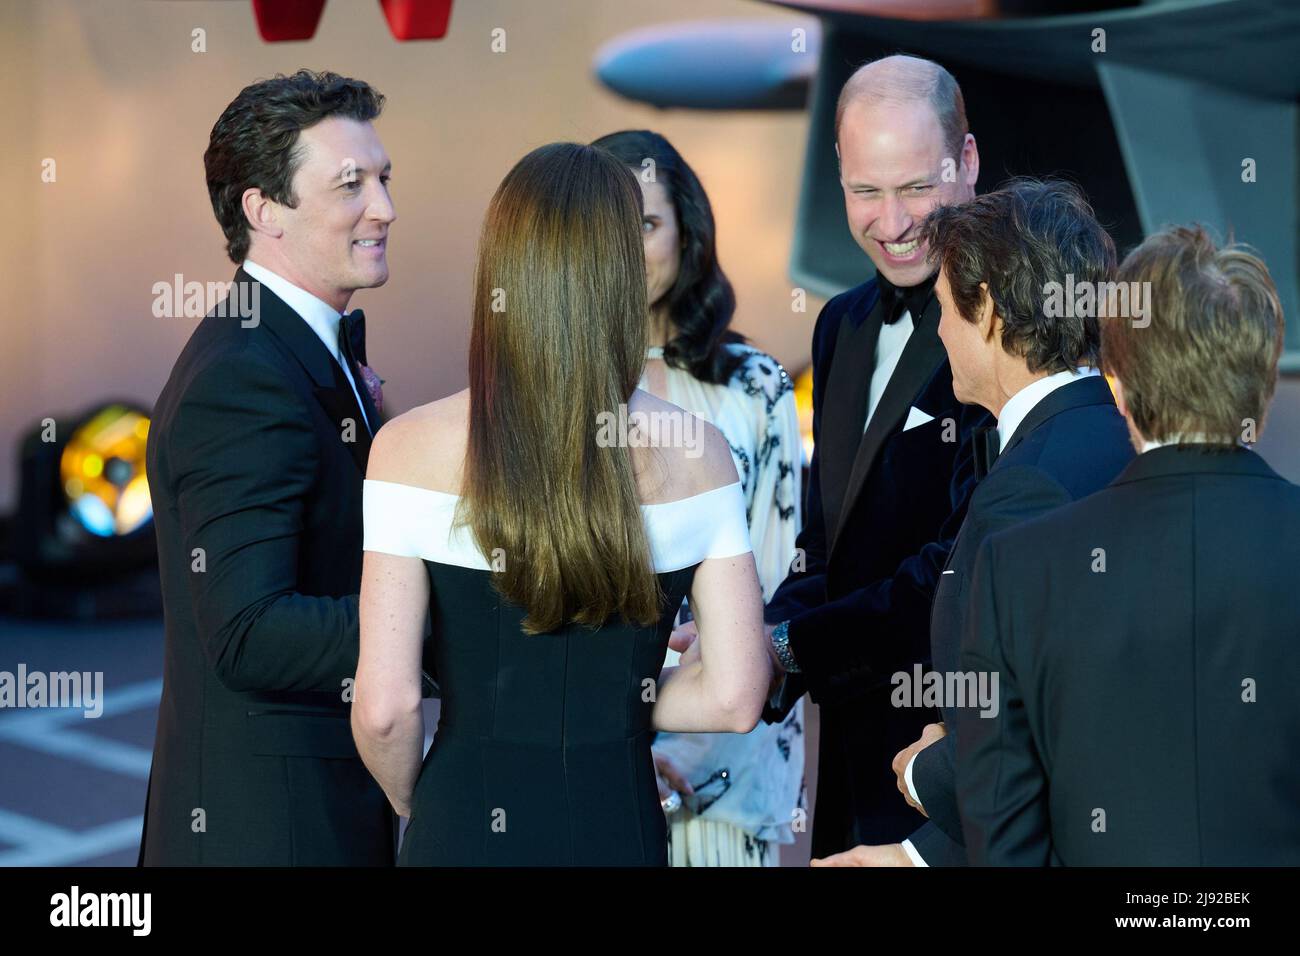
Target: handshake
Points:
(673, 785)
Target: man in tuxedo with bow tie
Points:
(256, 455)
(1059, 436)
(892, 464)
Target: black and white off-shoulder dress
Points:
(542, 750)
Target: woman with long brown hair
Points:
(551, 518)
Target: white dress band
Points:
(419, 522)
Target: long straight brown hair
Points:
(558, 338)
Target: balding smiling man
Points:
(892, 465)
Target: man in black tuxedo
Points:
(1058, 438)
(1146, 636)
(256, 455)
(891, 467)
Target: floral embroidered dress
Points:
(747, 786)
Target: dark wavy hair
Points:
(254, 143)
(1021, 240)
(701, 302)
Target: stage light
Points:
(84, 513)
(82, 542)
(102, 472)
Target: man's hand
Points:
(891, 854)
(401, 805)
(929, 734)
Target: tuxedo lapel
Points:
(341, 405)
(845, 403)
(330, 387)
(920, 357)
(1093, 390)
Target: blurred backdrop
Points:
(111, 90)
(106, 112)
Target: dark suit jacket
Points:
(882, 510)
(257, 500)
(1071, 444)
(1148, 711)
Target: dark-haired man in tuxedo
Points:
(256, 456)
(1017, 351)
(892, 464)
(1146, 635)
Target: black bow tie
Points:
(988, 445)
(895, 300)
(352, 335)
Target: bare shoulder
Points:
(687, 455)
(424, 446)
(715, 466)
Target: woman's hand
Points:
(683, 637)
(669, 777)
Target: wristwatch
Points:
(781, 644)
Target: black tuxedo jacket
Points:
(257, 497)
(1071, 444)
(882, 510)
(1147, 640)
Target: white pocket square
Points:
(916, 417)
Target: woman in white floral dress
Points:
(732, 799)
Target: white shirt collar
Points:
(1022, 403)
(321, 316)
(1193, 438)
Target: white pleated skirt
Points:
(694, 841)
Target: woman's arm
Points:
(387, 720)
(722, 681)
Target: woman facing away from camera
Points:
(736, 794)
(552, 560)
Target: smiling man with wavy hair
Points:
(256, 454)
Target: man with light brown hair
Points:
(1145, 636)
(1217, 307)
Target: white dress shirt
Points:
(889, 349)
(1019, 405)
(322, 318)
(1014, 412)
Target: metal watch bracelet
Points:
(781, 644)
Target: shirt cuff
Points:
(774, 700)
(912, 854)
(907, 778)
